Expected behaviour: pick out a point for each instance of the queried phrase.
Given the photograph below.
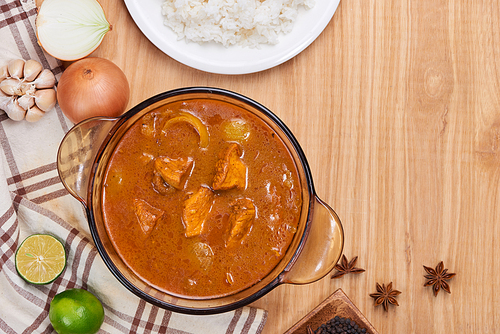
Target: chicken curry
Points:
(201, 199)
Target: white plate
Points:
(215, 58)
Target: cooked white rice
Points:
(242, 22)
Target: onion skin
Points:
(92, 87)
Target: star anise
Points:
(347, 267)
(385, 296)
(438, 277)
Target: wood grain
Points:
(397, 107)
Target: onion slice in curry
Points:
(183, 116)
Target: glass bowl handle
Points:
(77, 153)
(322, 249)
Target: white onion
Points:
(71, 29)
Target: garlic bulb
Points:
(26, 90)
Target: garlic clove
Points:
(15, 111)
(4, 72)
(16, 67)
(3, 94)
(45, 99)
(11, 86)
(46, 79)
(26, 101)
(31, 69)
(34, 114)
(5, 100)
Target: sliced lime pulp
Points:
(40, 259)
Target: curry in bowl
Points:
(200, 198)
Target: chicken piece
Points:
(146, 158)
(196, 210)
(150, 126)
(204, 255)
(275, 204)
(241, 220)
(231, 172)
(147, 215)
(173, 171)
(159, 185)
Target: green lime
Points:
(76, 311)
(40, 259)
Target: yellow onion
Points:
(92, 87)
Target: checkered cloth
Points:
(33, 200)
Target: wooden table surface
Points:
(397, 107)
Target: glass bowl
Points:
(82, 159)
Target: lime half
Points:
(40, 259)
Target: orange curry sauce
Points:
(201, 199)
